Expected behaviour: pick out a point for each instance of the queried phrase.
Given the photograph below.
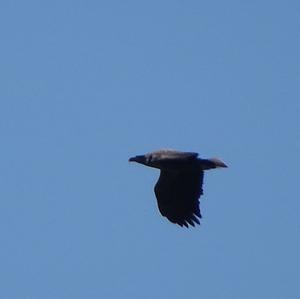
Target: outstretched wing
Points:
(172, 155)
(178, 194)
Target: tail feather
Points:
(212, 163)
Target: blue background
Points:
(87, 84)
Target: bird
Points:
(179, 186)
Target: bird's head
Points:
(142, 159)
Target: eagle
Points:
(179, 186)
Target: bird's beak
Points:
(138, 159)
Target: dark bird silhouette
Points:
(179, 186)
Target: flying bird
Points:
(179, 186)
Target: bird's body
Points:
(179, 186)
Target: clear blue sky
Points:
(87, 84)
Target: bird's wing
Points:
(174, 155)
(178, 194)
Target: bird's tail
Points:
(212, 163)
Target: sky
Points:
(87, 84)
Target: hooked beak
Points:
(138, 159)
